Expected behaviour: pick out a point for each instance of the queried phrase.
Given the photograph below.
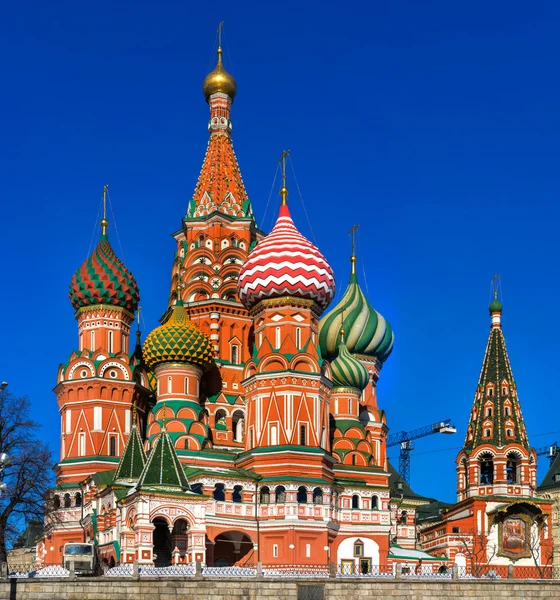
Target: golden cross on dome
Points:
(104, 221)
(284, 189)
(352, 232)
(220, 27)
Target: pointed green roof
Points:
(496, 374)
(163, 468)
(552, 477)
(133, 459)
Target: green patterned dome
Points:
(178, 340)
(103, 279)
(367, 332)
(496, 306)
(347, 371)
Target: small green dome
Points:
(496, 306)
(347, 371)
(178, 340)
(368, 333)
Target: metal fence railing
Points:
(350, 570)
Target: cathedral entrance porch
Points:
(233, 548)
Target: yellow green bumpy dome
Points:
(179, 340)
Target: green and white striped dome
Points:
(347, 371)
(367, 332)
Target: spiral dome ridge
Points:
(367, 332)
(178, 340)
(285, 263)
(347, 371)
(104, 279)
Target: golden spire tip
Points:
(284, 188)
(104, 222)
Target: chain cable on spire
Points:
(270, 195)
(302, 202)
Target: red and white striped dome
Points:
(285, 263)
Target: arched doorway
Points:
(162, 543)
(233, 548)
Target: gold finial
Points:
(104, 222)
(284, 189)
(352, 232)
(164, 416)
(178, 289)
(219, 80)
(134, 415)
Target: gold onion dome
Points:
(219, 80)
(178, 340)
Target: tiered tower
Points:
(103, 378)
(218, 231)
(496, 458)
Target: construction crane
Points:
(404, 439)
(551, 451)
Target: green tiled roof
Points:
(496, 369)
(552, 477)
(163, 468)
(133, 459)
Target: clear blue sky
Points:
(434, 125)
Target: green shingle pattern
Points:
(496, 369)
(163, 468)
(178, 340)
(133, 459)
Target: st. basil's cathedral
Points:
(246, 428)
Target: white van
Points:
(82, 555)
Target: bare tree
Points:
(29, 475)
(478, 550)
(542, 554)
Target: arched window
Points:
(265, 495)
(113, 445)
(219, 493)
(353, 459)
(506, 411)
(234, 354)
(317, 496)
(489, 411)
(92, 340)
(298, 337)
(355, 501)
(358, 548)
(280, 494)
(302, 495)
(186, 385)
(278, 339)
(169, 385)
(403, 517)
(201, 241)
(374, 503)
(78, 499)
(196, 488)
(67, 501)
(220, 419)
(303, 435)
(238, 424)
(512, 468)
(186, 443)
(110, 338)
(486, 468)
(56, 502)
(237, 494)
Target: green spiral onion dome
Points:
(347, 371)
(178, 340)
(496, 306)
(103, 279)
(367, 332)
